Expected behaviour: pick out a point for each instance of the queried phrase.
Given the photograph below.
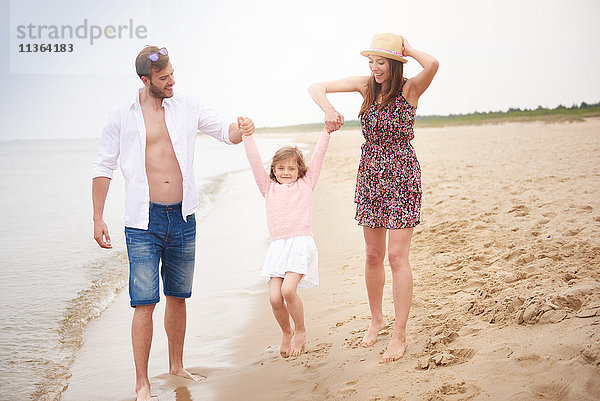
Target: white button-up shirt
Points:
(124, 138)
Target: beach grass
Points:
(558, 114)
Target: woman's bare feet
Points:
(184, 373)
(299, 344)
(370, 337)
(395, 350)
(286, 344)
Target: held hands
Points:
(101, 234)
(333, 120)
(246, 126)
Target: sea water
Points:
(55, 277)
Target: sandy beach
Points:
(506, 266)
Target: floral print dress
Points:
(388, 183)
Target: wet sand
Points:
(506, 301)
(231, 242)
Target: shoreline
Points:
(236, 221)
(206, 353)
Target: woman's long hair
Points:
(390, 91)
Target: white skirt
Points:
(296, 254)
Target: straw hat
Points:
(386, 45)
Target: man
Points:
(154, 138)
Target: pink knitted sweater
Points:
(289, 206)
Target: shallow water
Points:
(56, 278)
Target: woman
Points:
(388, 186)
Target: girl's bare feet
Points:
(371, 336)
(395, 350)
(299, 344)
(286, 344)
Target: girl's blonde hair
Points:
(288, 152)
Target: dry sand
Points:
(506, 268)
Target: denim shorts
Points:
(169, 243)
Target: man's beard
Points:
(158, 93)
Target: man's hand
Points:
(246, 126)
(101, 234)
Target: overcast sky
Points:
(257, 57)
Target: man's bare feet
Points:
(143, 394)
(371, 336)
(299, 343)
(395, 350)
(286, 344)
(184, 373)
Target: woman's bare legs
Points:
(374, 280)
(281, 315)
(402, 289)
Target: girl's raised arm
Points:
(260, 175)
(316, 160)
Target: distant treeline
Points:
(559, 113)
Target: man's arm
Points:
(104, 165)
(235, 135)
(100, 187)
(244, 126)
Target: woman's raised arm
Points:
(420, 82)
(318, 92)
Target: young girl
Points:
(291, 260)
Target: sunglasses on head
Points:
(154, 56)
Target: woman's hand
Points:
(333, 120)
(419, 83)
(318, 92)
(406, 48)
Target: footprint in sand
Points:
(528, 360)
(349, 389)
(552, 391)
(520, 211)
(454, 391)
(574, 231)
(591, 350)
(342, 322)
(320, 350)
(447, 358)
(542, 222)
(325, 382)
(443, 338)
